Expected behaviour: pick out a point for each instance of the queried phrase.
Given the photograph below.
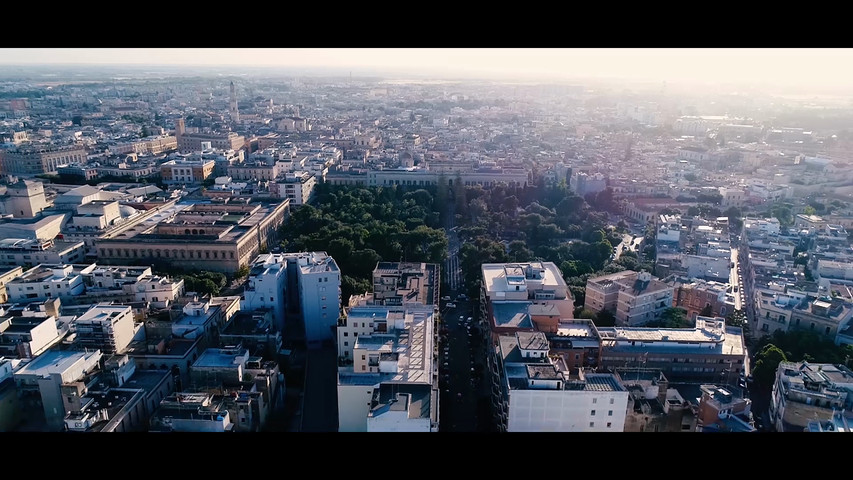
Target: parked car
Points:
(451, 305)
(446, 298)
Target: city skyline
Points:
(807, 68)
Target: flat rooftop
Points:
(511, 314)
(495, 276)
(54, 361)
(218, 358)
(413, 344)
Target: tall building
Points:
(41, 380)
(109, 328)
(235, 113)
(534, 392)
(24, 199)
(392, 383)
(305, 284)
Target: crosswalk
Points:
(453, 272)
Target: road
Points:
(463, 401)
(453, 273)
(735, 281)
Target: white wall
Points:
(566, 411)
(353, 406)
(315, 294)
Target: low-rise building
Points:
(636, 298)
(710, 350)
(192, 412)
(6, 275)
(723, 410)
(805, 392)
(186, 171)
(44, 282)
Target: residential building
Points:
(639, 297)
(710, 350)
(392, 383)
(216, 366)
(526, 378)
(26, 252)
(652, 405)
(397, 283)
(29, 335)
(255, 330)
(696, 296)
(7, 274)
(524, 296)
(804, 392)
(578, 343)
(583, 184)
(723, 410)
(305, 285)
(46, 281)
(192, 412)
(41, 380)
(121, 399)
(109, 328)
(297, 186)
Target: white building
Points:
(310, 278)
(43, 379)
(27, 336)
(805, 392)
(297, 186)
(540, 394)
(109, 328)
(46, 281)
(392, 384)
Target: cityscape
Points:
(472, 240)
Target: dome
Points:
(127, 211)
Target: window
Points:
(346, 334)
(346, 344)
(594, 400)
(609, 424)
(592, 413)
(610, 413)
(611, 401)
(363, 357)
(591, 424)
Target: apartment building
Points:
(44, 282)
(653, 405)
(109, 328)
(27, 336)
(392, 383)
(635, 298)
(710, 350)
(696, 296)
(29, 252)
(805, 392)
(397, 283)
(535, 392)
(524, 296)
(7, 274)
(723, 410)
(41, 380)
(297, 186)
(193, 142)
(784, 308)
(149, 145)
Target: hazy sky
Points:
(804, 67)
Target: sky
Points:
(808, 67)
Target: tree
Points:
(707, 311)
(604, 318)
(809, 210)
(766, 363)
(242, 272)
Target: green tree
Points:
(766, 363)
(707, 311)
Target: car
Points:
(446, 298)
(451, 305)
(461, 296)
(470, 319)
